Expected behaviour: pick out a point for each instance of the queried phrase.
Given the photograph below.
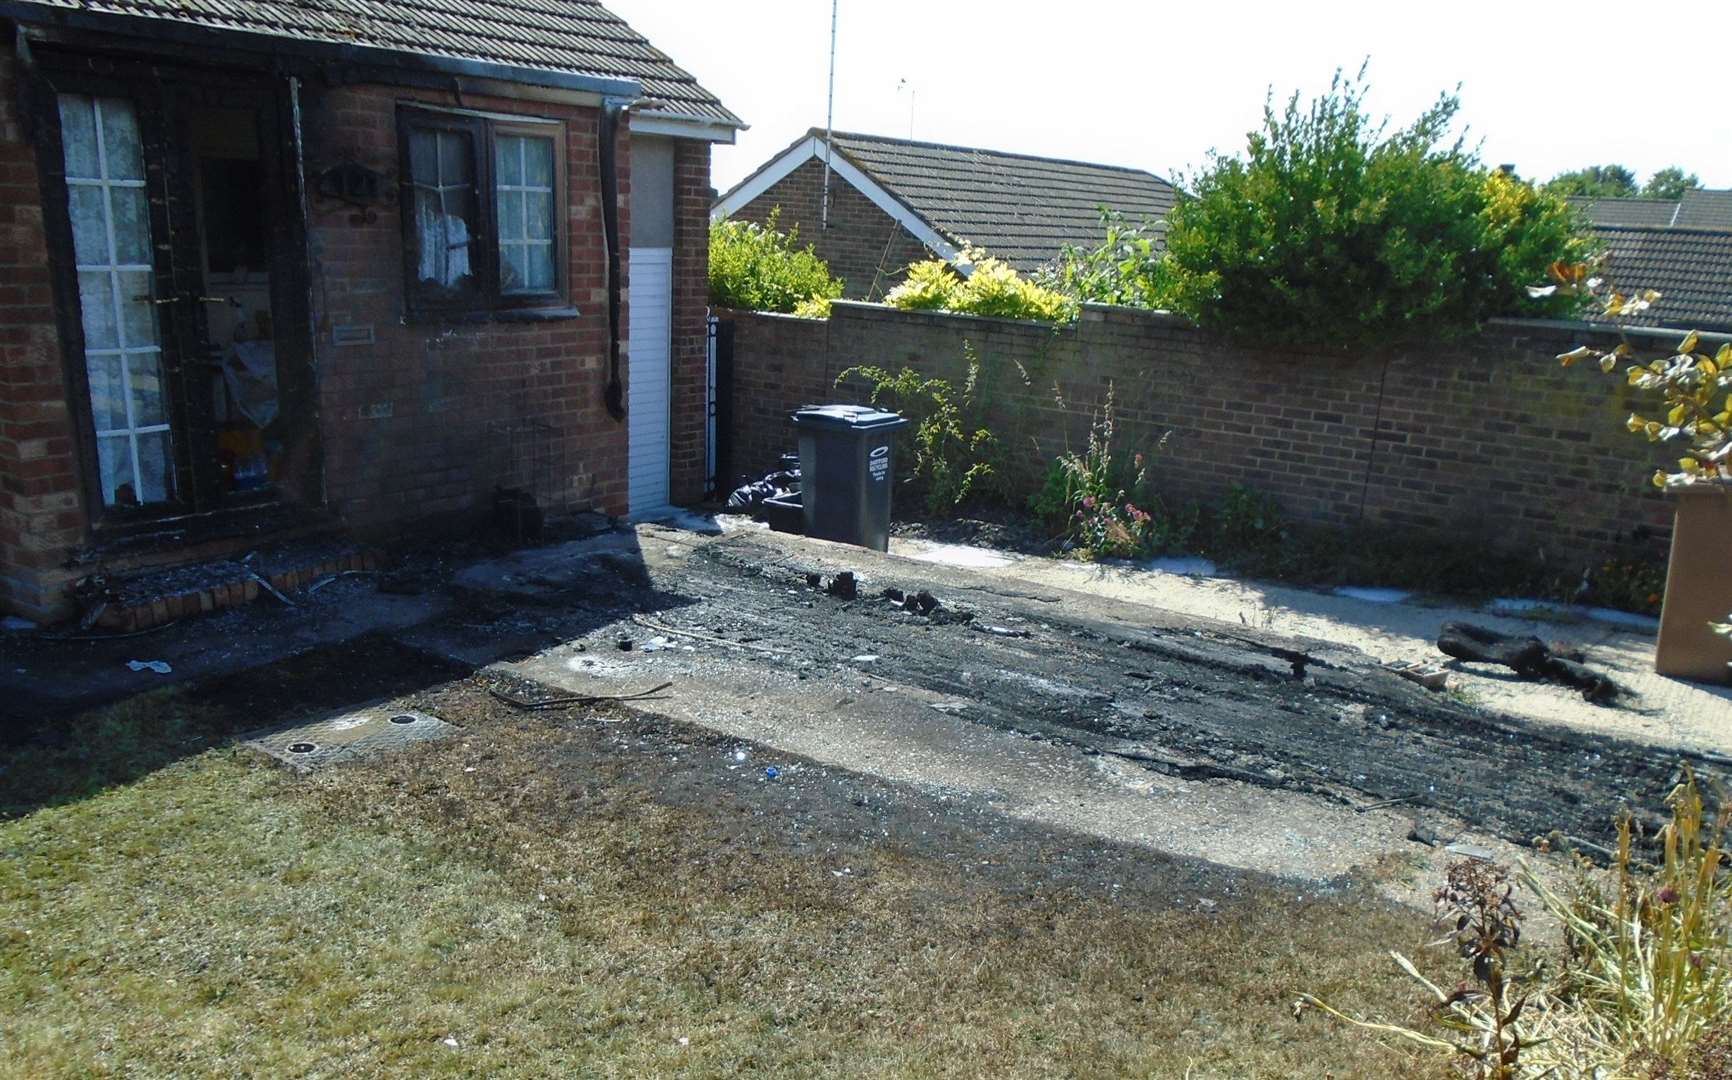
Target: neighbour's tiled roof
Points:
(577, 37)
(1691, 268)
(1017, 208)
(1706, 209)
(1626, 211)
(1699, 208)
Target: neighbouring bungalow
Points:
(892, 202)
(287, 268)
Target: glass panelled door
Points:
(117, 295)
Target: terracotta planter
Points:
(1698, 588)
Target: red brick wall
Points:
(690, 356)
(1490, 438)
(865, 247)
(41, 504)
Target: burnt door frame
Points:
(160, 92)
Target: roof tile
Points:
(1690, 268)
(1018, 208)
(568, 36)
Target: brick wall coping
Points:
(1092, 312)
(1605, 329)
(725, 312)
(942, 317)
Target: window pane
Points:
(96, 302)
(510, 216)
(121, 149)
(78, 133)
(442, 170)
(131, 226)
(538, 162)
(114, 461)
(513, 271)
(107, 400)
(424, 157)
(147, 397)
(541, 267)
(508, 160)
(137, 313)
(89, 228)
(153, 467)
(538, 215)
(456, 158)
(442, 231)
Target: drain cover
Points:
(353, 732)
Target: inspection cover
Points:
(349, 734)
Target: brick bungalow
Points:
(895, 201)
(272, 268)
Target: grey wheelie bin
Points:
(846, 469)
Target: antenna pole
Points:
(830, 118)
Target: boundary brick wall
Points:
(861, 238)
(1489, 437)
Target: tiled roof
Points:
(1699, 208)
(1017, 208)
(1691, 268)
(578, 37)
(1705, 209)
(1626, 211)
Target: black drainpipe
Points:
(614, 395)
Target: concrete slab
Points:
(846, 717)
(348, 735)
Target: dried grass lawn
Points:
(522, 902)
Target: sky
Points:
(1154, 85)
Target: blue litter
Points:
(772, 772)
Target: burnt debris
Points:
(1528, 657)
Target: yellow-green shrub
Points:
(992, 288)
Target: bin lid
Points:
(851, 417)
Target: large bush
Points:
(758, 268)
(1327, 229)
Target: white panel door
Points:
(649, 335)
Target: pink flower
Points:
(1088, 502)
(1131, 510)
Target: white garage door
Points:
(647, 401)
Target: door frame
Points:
(160, 90)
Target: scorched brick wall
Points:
(430, 416)
(41, 505)
(1490, 438)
